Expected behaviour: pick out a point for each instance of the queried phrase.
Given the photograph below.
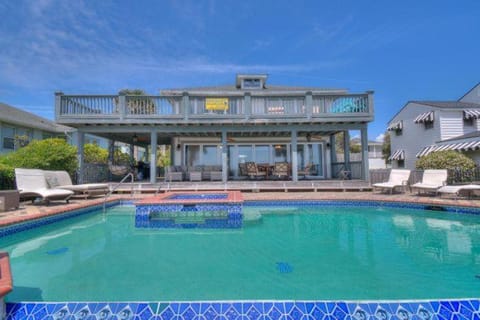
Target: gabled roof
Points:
(440, 104)
(12, 115)
(267, 89)
(473, 88)
(448, 104)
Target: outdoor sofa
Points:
(195, 173)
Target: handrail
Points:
(130, 174)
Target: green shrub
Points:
(48, 154)
(93, 153)
(445, 160)
(7, 177)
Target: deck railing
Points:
(175, 106)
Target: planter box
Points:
(9, 199)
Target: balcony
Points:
(239, 109)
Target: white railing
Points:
(88, 105)
(111, 106)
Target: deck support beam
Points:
(294, 156)
(346, 149)
(364, 139)
(224, 156)
(153, 156)
(80, 157)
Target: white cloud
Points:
(380, 137)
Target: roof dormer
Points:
(251, 81)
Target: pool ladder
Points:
(115, 187)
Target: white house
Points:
(422, 127)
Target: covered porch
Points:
(229, 148)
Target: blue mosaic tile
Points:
(211, 215)
(8, 230)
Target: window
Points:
(210, 155)
(251, 84)
(8, 134)
(469, 122)
(428, 125)
(280, 153)
(262, 153)
(398, 132)
(401, 163)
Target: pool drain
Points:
(284, 267)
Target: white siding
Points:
(451, 124)
(414, 135)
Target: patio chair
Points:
(280, 170)
(31, 184)
(432, 180)
(457, 191)
(62, 180)
(174, 173)
(398, 178)
(305, 171)
(253, 172)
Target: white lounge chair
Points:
(398, 179)
(62, 180)
(432, 180)
(457, 191)
(31, 184)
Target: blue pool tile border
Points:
(14, 228)
(460, 309)
(365, 203)
(31, 224)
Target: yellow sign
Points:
(216, 104)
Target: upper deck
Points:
(194, 108)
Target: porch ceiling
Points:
(143, 139)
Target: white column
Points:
(346, 149)
(365, 168)
(80, 143)
(294, 156)
(224, 157)
(153, 156)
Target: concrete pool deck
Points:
(29, 211)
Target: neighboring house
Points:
(226, 126)
(375, 160)
(422, 127)
(18, 128)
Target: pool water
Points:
(330, 253)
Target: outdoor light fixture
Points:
(135, 138)
(328, 145)
(179, 146)
(308, 137)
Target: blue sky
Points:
(404, 50)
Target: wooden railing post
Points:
(248, 105)
(309, 105)
(58, 104)
(122, 106)
(370, 101)
(185, 105)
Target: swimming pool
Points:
(286, 252)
